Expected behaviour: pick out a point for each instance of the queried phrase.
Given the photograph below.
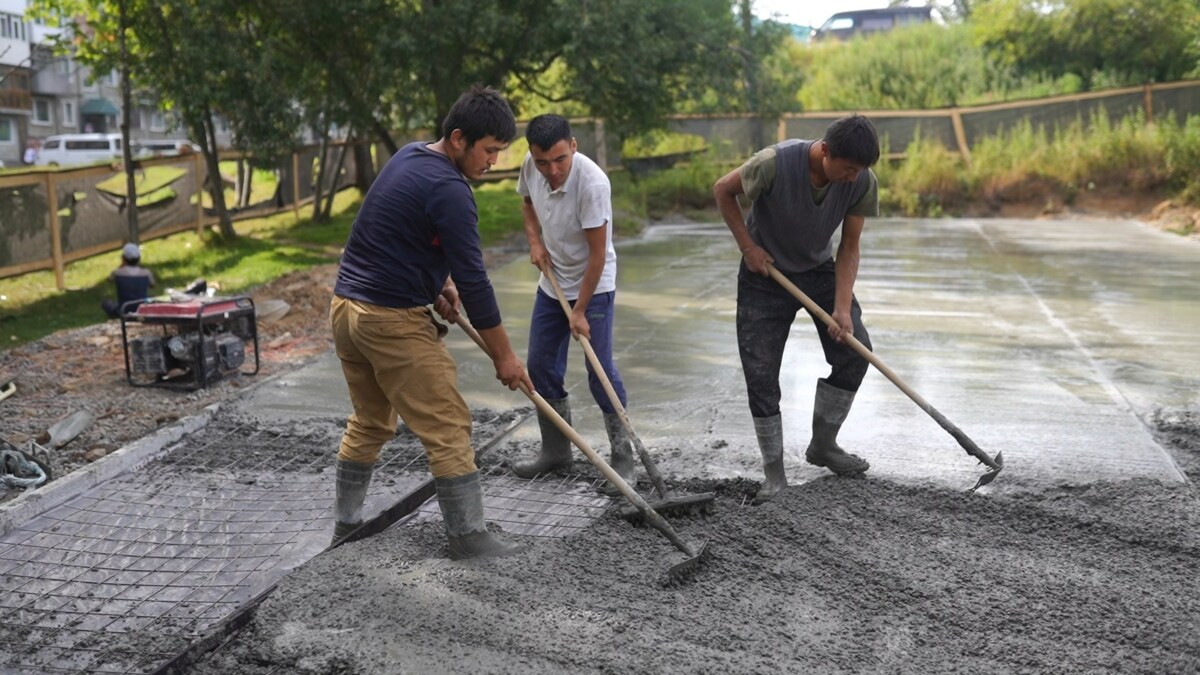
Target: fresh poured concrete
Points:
(1049, 341)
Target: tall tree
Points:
(1109, 41)
(99, 37)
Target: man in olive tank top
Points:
(800, 192)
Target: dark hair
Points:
(546, 130)
(479, 112)
(853, 138)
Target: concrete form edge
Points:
(35, 502)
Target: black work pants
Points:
(765, 313)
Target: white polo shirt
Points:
(584, 201)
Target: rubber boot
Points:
(461, 501)
(621, 453)
(556, 447)
(352, 481)
(829, 412)
(770, 443)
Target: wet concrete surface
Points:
(1049, 341)
(837, 576)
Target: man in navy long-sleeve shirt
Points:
(415, 242)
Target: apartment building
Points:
(43, 93)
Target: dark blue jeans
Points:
(550, 336)
(765, 313)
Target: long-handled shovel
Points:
(994, 465)
(695, 556)
(665, 503)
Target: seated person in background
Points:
(133, 283)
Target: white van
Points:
(66, 149)
(162, 147)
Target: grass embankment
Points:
(1051, 166)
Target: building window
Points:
(12, 26)
(7, 134)
(68, 113)
(64, 66)
(41, 112)
(156, 121)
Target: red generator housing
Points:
(189, 344)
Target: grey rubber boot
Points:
(621, 453)
(829, 412)
(770, 443)
(556, 447)
(461, 501)
(353, 478)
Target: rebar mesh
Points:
(162, 555)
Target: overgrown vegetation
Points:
(1030, 163)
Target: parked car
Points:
(845, 25)
(67, 149)
(163, 147)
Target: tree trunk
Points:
(241, 184)
(364, 165)
(333, 190)
(216, 186)
(319, 183)
(384, 136)
(131, 212)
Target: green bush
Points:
(661, 142)
(929, 180)
(685, 188)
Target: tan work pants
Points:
(395, 362)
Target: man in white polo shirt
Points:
(568, 221)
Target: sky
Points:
(807, 13)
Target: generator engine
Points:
(192, 343)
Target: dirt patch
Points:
(838, 575)
(84, 370)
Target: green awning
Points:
(99, 106)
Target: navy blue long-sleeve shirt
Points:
(417, 225)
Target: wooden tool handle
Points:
(613, 477)
(644, 455)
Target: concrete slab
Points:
(1049, 341)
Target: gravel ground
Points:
(839, 575)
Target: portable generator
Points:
(189, 343)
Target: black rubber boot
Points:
(461, 501)
(620, 453)
(770, 443)
(829, 412)
(556, 447)
(353, 478)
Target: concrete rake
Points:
(666, 503)
(695, 556)
(994, 465)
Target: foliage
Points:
(658, 142)
(1029, 162)
(921, 66)
(686, 188)
(928, 181)
(1107, 42)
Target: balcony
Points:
(13, 99)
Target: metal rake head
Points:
(991, 474)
